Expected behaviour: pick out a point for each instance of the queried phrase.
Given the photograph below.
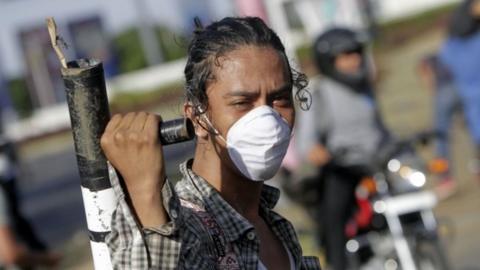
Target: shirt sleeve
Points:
(133, 247)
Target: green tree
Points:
(20, 96)
(130, 52)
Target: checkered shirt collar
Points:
(232, 223)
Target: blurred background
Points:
(142, 44)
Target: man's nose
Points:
(264, 100)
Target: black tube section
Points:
(89, 114)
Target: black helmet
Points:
(334, 42)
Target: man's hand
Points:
(318, 155)
(132, 146)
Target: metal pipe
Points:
(402, 247)
(89, 115)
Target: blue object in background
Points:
(461, 57)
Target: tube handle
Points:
(176, 131)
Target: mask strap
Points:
(212, 128)
(292, 133)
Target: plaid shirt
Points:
(185, 242)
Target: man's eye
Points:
(241, 104)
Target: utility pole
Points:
(148, 38)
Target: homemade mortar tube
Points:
(89, 114)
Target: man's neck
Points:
(241, 193)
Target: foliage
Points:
(129, 101)
(130, 51)
(19, 94)
(173, 45)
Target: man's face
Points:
(246, 78)
(348, 63)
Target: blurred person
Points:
(341, 132)
(19, 244)
(461, 53)
(14, 254)
(8, 183)
(239, 95)
(436, 77)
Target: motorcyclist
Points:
(341, 132)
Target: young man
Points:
(460, 53)
(341, 132)
(239, 96)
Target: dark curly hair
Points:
(224, 36)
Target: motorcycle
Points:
(403, 231)
(393, 226)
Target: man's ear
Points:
(198, 124)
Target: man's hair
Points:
(224, 36)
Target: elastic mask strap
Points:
(292, 132)
(212, 128)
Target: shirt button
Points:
(251, 235)
(174, 214)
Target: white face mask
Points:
(258, 142)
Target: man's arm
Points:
(132, 146)
(425, 72)
(133, 247)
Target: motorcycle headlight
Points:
(417, 179)
(414, 177)
(394, 165)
